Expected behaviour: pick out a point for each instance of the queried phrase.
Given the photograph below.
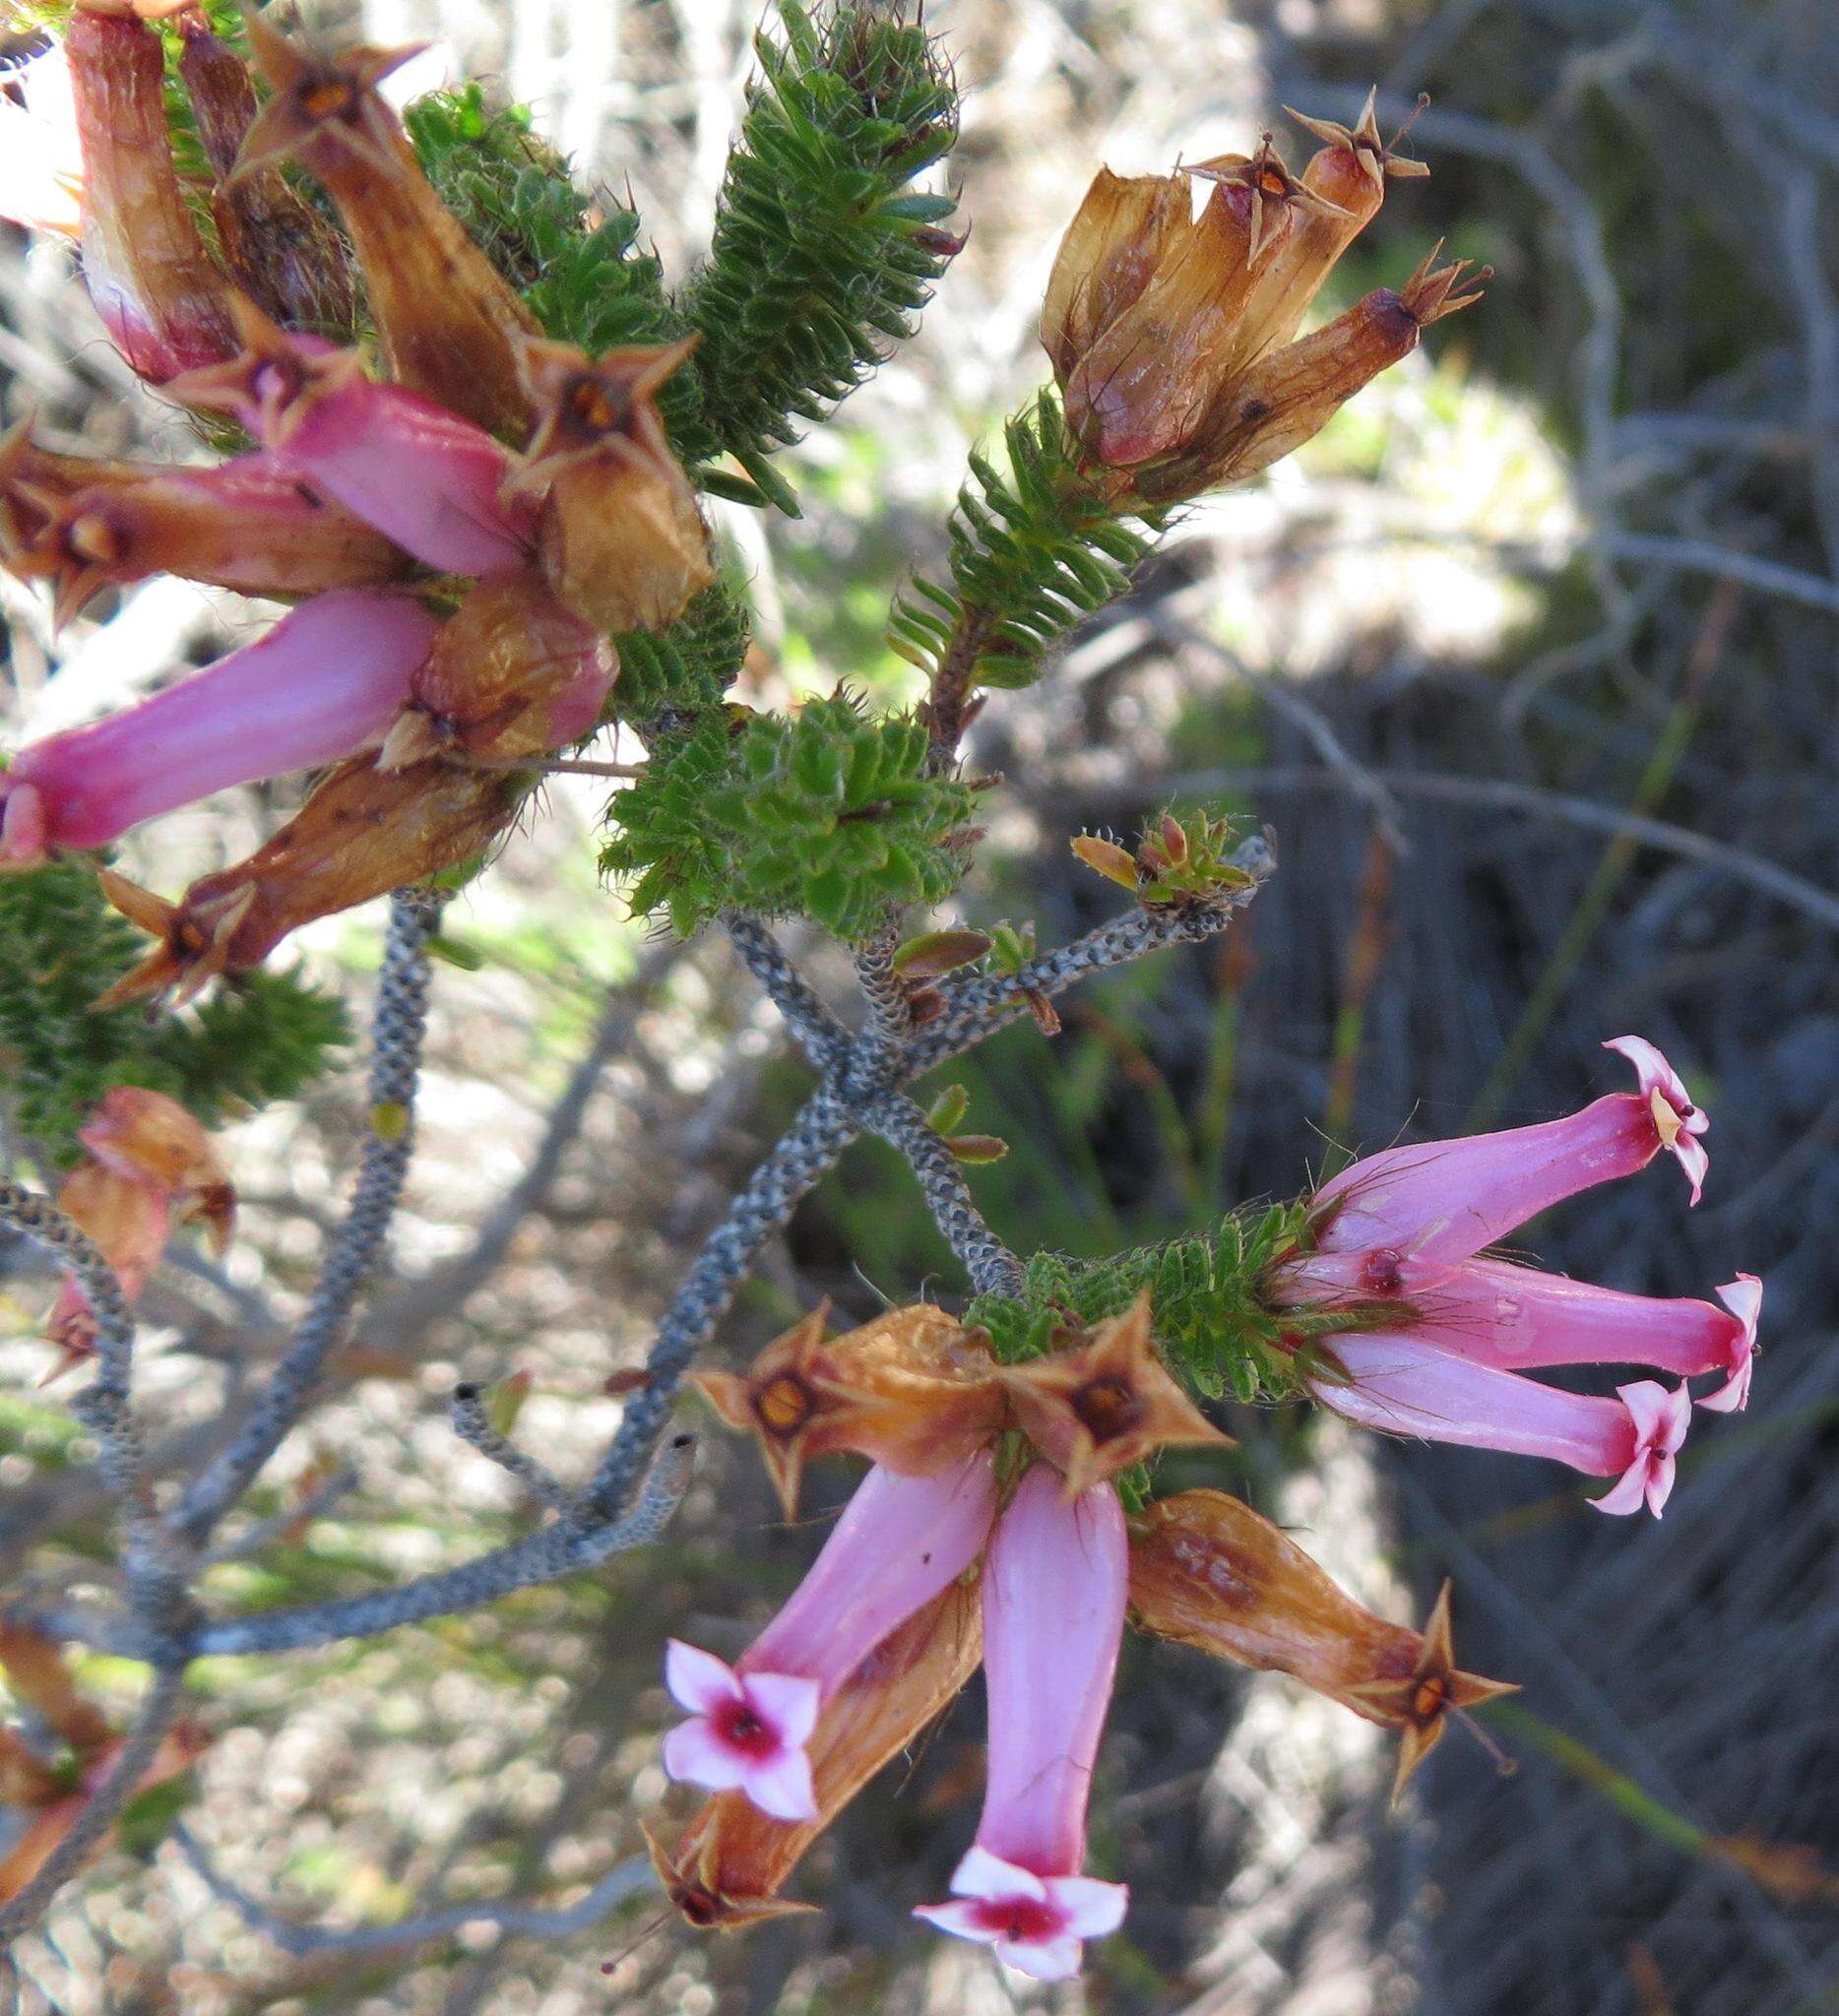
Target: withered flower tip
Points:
(620, 539)
(445, 316)
(1107, 1404)
(912, 1390)
(1273, 194)
(1375, 157)
(1417, 1704)
(320, 98)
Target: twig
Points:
(976, 1008)
(819, 1033)
(472, 1425)
(889, 1010)
(396, 1065)
(568, 1546)
(153, 1568)
(103, 1808)
(629, 1878)
(991, 1267)
(445, 1289)
(823, 1129)
(1500, 794)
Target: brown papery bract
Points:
(511, 674)
(1207, 1570)
(913, 1389)
(162, 299)
(621, 540)
(448, 321)
(234, 528)
(278, 248)
(731, 1861)
(361, 833)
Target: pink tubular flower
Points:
(1445, 1200)
(1402, 1387)
(1517, 1319)
(900, 1543)
(327, 679)
(422, 475)
(418, 472)
(1054, 1588)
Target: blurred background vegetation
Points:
(1529, 659)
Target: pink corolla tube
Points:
(900, 1543)
(1517, 1319)
(324, 682)
(1402, 1387)
(1445, 1200)
(1055, 1586)
(420, 474)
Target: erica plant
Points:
(470, 433)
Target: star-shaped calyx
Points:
(1275, 194)
(1105, 1403)
(193, 940)
(320, 99)
(692, 1881)
(1377, 157)
(271, 381)
(1417, 1704)
(912, 1390)
(585, 405)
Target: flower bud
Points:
(162, 301)
(731, 1861)
(1208, 1572)
(511, 673)
(1104, 1405)
(248, 524)
(913, 1389)
(362, 833)
(621, 541)
(448, 321)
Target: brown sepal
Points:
(447, 319)
(1104, 1405)
(1433, 290)
(912, 1390)
(1417, 1704)
(361, 833)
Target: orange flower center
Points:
(327, 98)
(592, 407)
(1107, 1407)
(92, 537)
(1428, 1699)
(783, 1405)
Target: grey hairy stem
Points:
(396, 1065)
